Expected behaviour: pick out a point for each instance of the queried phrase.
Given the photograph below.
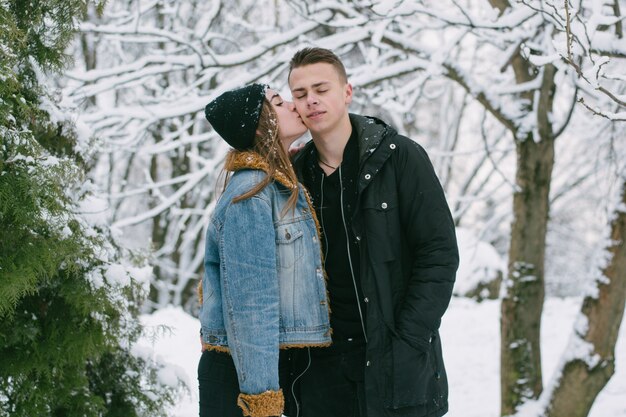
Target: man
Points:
(390, 255)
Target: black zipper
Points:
(345, 227)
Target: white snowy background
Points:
(470, 333)
(438, 71)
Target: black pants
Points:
(219, 386)
(333, 384)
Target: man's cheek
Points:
(301, 110)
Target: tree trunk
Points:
(583, 378)
(158, 294)
(522, 304)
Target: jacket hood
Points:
(370, 131)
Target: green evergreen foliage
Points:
(41, 29)
(33, 219)
(67, 323)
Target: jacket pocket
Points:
(377, 220)
(412, 371)
(288, 245)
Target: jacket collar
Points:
(240, 160)
(371, 132)
(373, 136)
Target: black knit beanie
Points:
(235, 115)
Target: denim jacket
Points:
(264, 287)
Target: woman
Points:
(263, 288)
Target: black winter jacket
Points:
(408, 261)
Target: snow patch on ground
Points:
(470, 335)
(174, 337)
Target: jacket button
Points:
(384, 205)
(368, 176)
(212, 339)
(367, 300)
(437, 375)
(368, 363)
(392, 146)
(358, 238)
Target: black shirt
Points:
(341, 263)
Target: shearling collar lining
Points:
(252, 160)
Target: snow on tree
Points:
(480, 268)
(68, 305)
(487, 87)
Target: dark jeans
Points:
(219, 386)
(333, 384)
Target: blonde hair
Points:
(268, 146)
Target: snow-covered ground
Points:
(471, 349)
(471, 337)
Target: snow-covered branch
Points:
(153, 66)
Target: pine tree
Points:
(68, 310)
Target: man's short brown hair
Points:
(308, 56)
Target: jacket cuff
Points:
(265, 404)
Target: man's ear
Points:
(348, 93)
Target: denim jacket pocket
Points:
(288, 245)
